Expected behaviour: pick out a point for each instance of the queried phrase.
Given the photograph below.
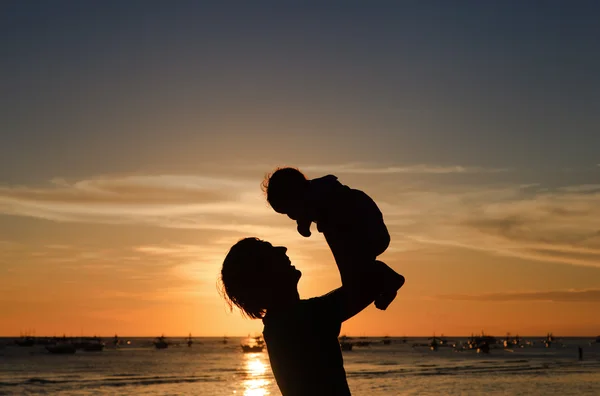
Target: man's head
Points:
(257, 275)
(286, 191)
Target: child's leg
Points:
(368, 225)
(349, 255)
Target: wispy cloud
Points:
(592, 295)
(373, 169)
(527, 221)
(164, 200)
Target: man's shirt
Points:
(304, 350)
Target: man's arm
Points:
(358, 292)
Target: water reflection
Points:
(256, 366)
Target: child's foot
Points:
(304, 227)
(385, 299)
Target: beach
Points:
(211, 367)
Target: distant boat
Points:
(433, 345)
(252, 348)
(550, 340)
(62, 348)
(25, 341)
(225, 340)
(161, 342)
(90, 344)
(345, 345)
(387, 340)
(256, 345)
(483, 348)
(94, 344)
(481, 342)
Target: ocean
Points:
(210, 367)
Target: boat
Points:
(551, 340)
(25, 341)
(437, 342)
(483, 348)
(386, 340)
(481, 342)
(63, 348)
(90, 344)
(257, 344)
(433, 345)
(161, 342)
(345, 345)
(94, 344)
(252, 348)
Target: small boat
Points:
(93, 345)
(161, 342)
(25, 341)
(256, 345)
(62, 349)
(483, 348)
(387, 340)
(252, 348)
(434, 344)
(345, 345)
(550, 340)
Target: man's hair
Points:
(241, 277)
(283, 185)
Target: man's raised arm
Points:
(362, 285)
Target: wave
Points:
(502, 369)
(111, 381)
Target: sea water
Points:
(211, 367)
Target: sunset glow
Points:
(126, 175)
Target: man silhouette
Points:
(301, 335)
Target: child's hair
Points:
(241, 277)
(283, 185)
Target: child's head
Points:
(286, 191)
(256, 274)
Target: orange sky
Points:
(140, 255)
(134, 137)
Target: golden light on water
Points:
(256, 367)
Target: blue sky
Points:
(500, 84)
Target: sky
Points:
(134, 137)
